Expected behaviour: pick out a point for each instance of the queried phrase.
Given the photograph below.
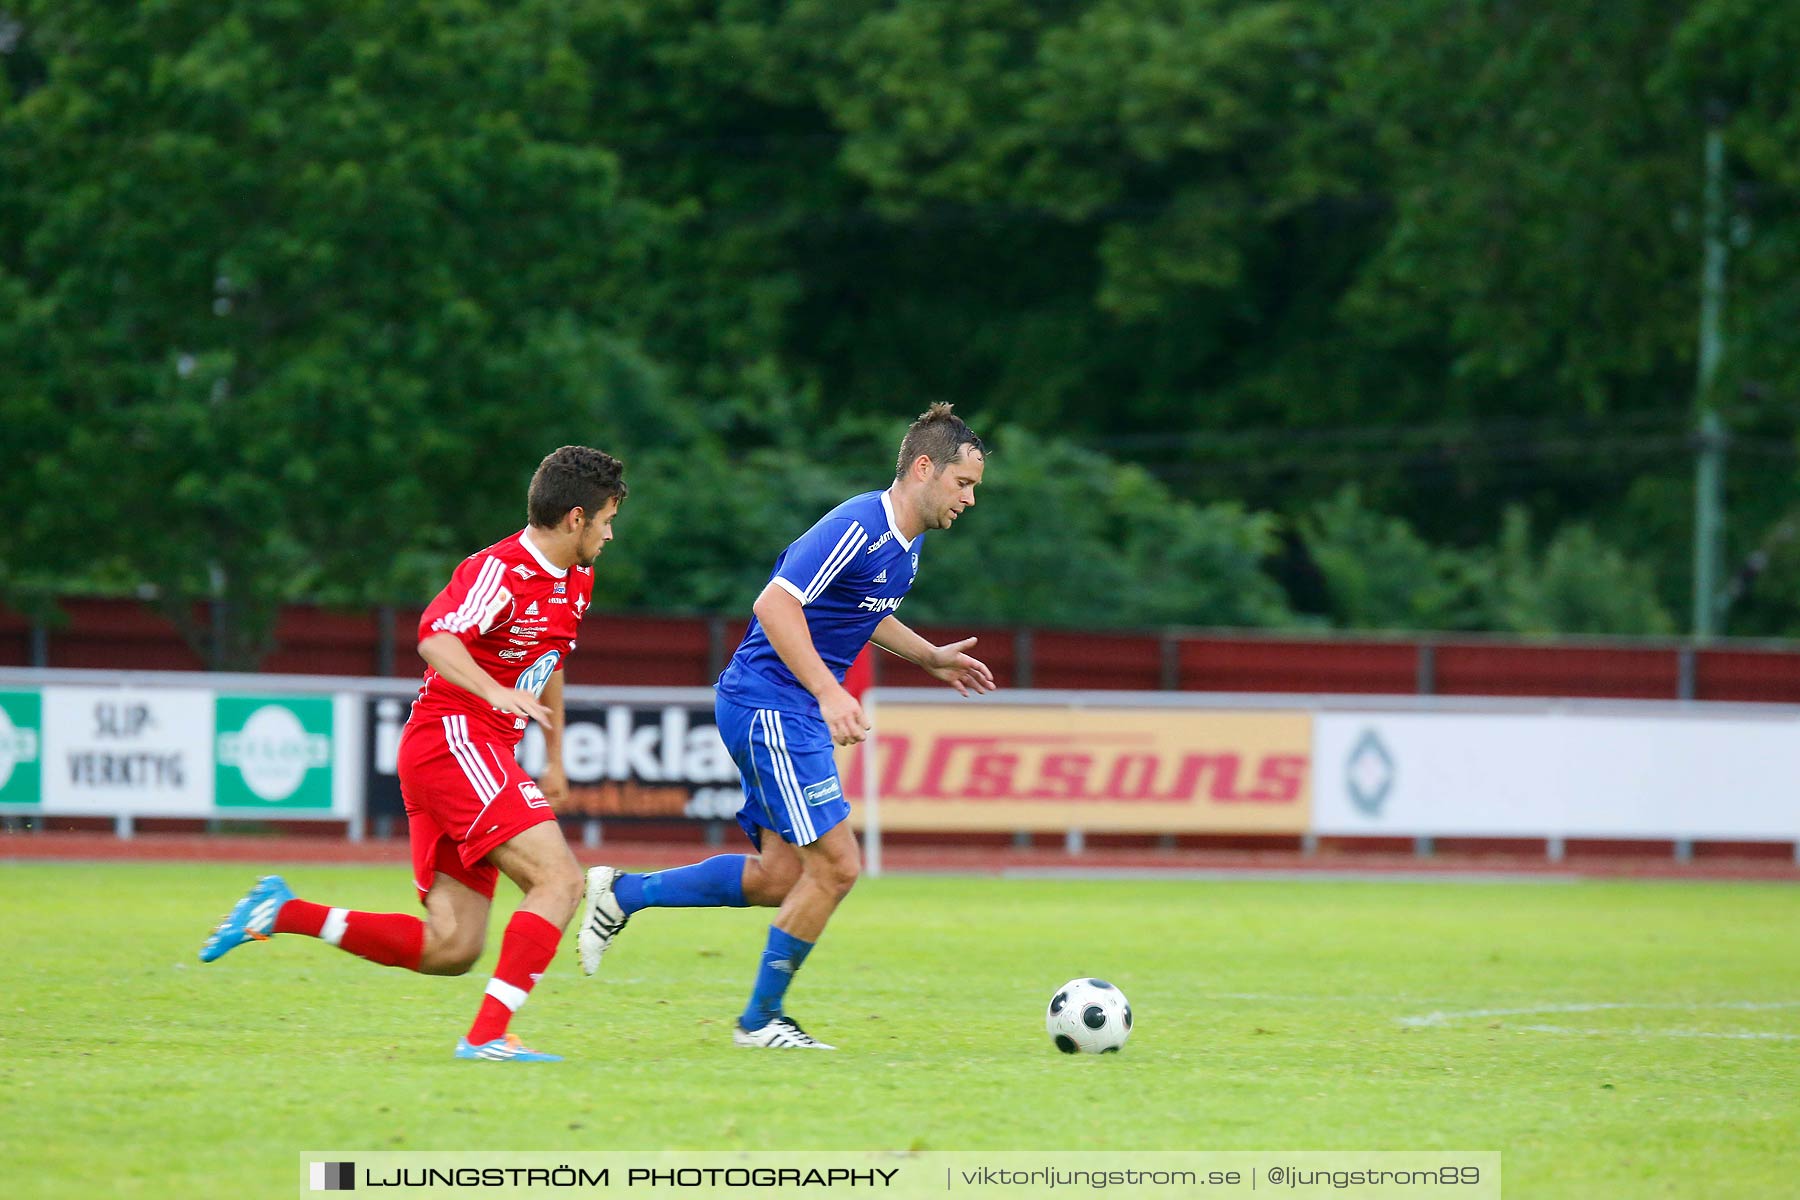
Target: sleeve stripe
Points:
(792, 589)
(852, 541)
(487, 586)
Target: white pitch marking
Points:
(1441, 1019)
(1640, 1031)
(1343, 998)
(1444, 1018)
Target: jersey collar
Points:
(887, 506)
(550, 568)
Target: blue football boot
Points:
(251, 919)
(503, 1049)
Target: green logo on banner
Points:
(21, 743)
(273, 752)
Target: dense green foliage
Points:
(293, 295)
(1608, 1039)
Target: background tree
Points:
(292, 296)
(299, 293)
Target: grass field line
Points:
(1443, 1019)
(1642, 1032)
(1341, 998)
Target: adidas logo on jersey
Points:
(531, 609)
(882, 578)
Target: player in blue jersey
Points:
(782, 705)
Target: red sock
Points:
(391, 939)
(525, 954)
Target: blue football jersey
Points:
(849, 571)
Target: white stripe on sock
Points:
(336, 921)
(506, 993)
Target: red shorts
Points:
(464, 796)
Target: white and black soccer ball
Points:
(1088, 1016)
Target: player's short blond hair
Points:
(940, 435)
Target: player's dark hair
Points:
(940, 435)
(573, 477)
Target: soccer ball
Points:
(1088, 1016)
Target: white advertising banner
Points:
(109, 751)
(1557, 775)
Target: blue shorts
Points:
(790, 777)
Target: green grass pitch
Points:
(1617, 1039)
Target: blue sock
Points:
(780, 960)
(719, 881)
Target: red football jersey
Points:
(518, 615)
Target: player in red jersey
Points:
(494, 641)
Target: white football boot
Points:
(601, 918)
(779, 1034)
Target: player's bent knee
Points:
(460, 964)
(836, 876)
(848, 866)
(453, 956)
(565, 890)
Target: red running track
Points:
(904, 859)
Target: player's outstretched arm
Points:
(952, 663)
(450, 658)
(784, 621)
